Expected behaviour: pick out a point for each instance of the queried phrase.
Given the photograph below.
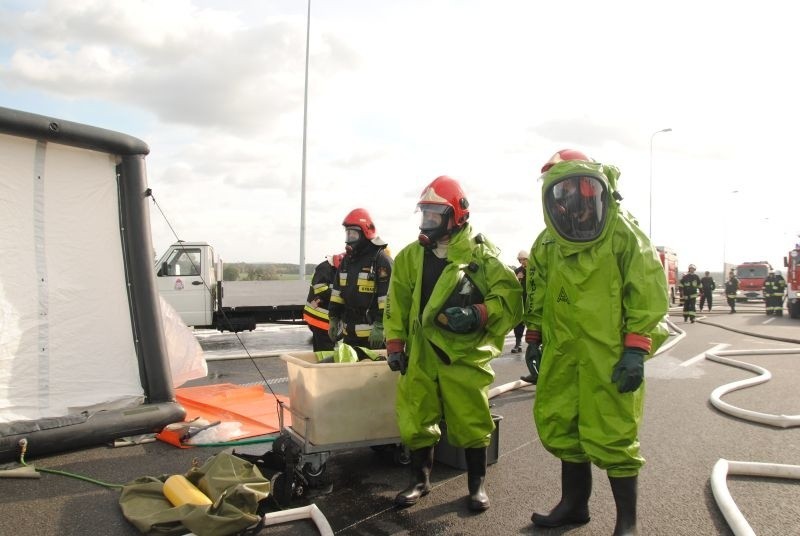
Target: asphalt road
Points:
(682, 437)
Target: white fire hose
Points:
(723, 467)
(303, 512)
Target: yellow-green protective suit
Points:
(585, 298)
(431, 389)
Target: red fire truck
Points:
(751, 280)
(669, 260)
(792, 264)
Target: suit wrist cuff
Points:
(634, 340)
(394, 346)
(483, 315)
(533, 336)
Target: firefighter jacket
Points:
(731, 287)
(774, 286)
(707, 285)
(315, 312)
(690, 283)
(358, 296)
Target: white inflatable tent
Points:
(82, 351)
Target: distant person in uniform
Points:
(731, 288)
(315, 312)
(707, 287)
(519, 329)
(690, 283)
(774, 287)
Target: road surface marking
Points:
(698, 357)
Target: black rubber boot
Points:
(624, 490)
(421, 465)
(529, 378)
(476, 474)
(576, 487)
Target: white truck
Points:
(189, 277)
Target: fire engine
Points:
(792, 264)
(751, 280)
(669, 260)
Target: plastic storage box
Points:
(454, 457)
(341, 402)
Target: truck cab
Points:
(751, 280)
(186, 277)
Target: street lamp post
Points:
(302, 269)
(653, 135)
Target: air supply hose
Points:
(23, 445)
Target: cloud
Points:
(400, 93)
(188, 66)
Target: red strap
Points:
(483, 315)
(533, 337)
(635, 340)
(394, 346)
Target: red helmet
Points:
(360, 218)
(565, 154)
(446, 191)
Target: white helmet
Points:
(522, 254)
(692, 267)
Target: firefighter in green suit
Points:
(450, 304)
(596, 298)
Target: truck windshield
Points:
(751, 271)
(185, 261)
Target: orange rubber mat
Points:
(254, 410)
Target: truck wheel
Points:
(794, 312)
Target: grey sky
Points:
(401, 92)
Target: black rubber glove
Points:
(398, 361)
(629, 370)
(533, 359)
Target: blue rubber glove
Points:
(462, 319)
(335, 328)
(398, 362)
(376, 335)
(629, 370)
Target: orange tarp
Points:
(255, 410)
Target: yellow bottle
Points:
(179, 491)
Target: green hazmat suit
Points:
(587, 298)
(431, 389)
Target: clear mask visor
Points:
(577, 207)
